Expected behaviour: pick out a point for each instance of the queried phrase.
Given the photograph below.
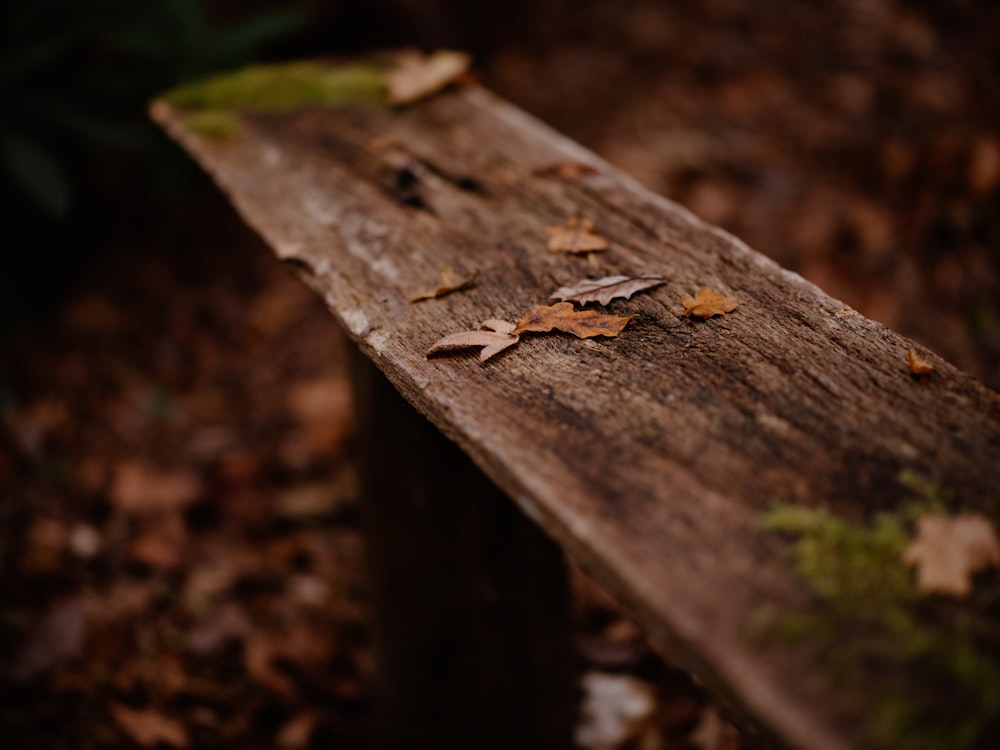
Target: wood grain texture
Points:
(650, 456)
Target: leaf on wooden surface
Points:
(947, 552)
(567, 170)
(576, 236)
(606, 289)
(417, 76)
(450, 282)
(499, 336)
(917, 364)
(707, 303)
(564, 317)
(149, 728)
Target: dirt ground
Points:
(180, 559)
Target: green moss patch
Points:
(279, 88)
(212, 123)
(209, 107)
(925, 669)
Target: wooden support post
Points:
(471, 600)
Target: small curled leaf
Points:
(500, 336)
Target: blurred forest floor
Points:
(181, 559)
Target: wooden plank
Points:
(649, 457)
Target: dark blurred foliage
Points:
(79, 159)
(76, 149)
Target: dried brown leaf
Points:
(707, 303)
(141, 488)
(162, 544)
(500, 336)
(947, 552)
(260, 654)
(606, 289)
(417, 76)
(564, 317)
(450, 282)
(616, 711)
(567, 170)
(577, 236)
(298, 733)
(149, 728)
(60, 635)
(709, 733)
(918, 365)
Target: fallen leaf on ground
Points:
(162, 545)
(318, 499)
(617, 710)
(321, 399)
(450, 282)
(59, 636)
(46, 539)
(417, 76)
(140, 488)
(947, 552)
(713, 732)
(707, 303)
(567, 170)
(149, 728)
(298, 732)
(918, 365)
(576, 236)
(606, 289)
(228, 623)
(499, 336)
(564, 317)
(260, 654)
(85, 541)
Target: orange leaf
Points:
(606, 289)
(450, 282)
(142, 488)
(707, 303)
(417, 76)
(149, 728)
(567, 170)
(948, 551)
(918, 365)
(500, 336)
(577, 236)
(564, 317)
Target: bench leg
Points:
(471, 600)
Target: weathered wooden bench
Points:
(672, 461)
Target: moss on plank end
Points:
(217, 124)
(925, 667)
(280, 88)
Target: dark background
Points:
(178, 528)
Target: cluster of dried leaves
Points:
(576, 237)
(194, 577)
(417, 76)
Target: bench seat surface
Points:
(651, 456)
